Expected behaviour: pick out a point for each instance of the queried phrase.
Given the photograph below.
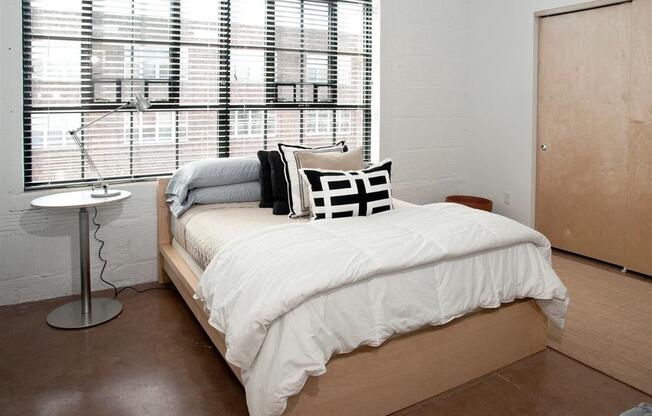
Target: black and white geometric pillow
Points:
(339, 194)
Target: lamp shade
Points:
(140, 103)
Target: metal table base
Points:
(85, 312)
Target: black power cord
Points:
(116, 290)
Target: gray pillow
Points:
(222, 194)
(210, 172)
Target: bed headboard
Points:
(164, 236)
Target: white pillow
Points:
(298, 198)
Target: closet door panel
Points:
(583, 119)
(638, 234)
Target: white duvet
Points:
(289, 297)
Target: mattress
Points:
(204, 229)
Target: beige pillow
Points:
(351, 160)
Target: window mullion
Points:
(224, 114)
(174, 87)
(302, 69)
(270, 63)
(86, 71)
(366, 92)
(332, 63)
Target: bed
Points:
(405, 369)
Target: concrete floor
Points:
(154, 359)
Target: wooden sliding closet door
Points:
(638, 229)
(583, 113)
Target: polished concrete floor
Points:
(154, 359)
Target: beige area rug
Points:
(609, 321)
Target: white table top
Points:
(76, 199)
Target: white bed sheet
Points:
(204, 229)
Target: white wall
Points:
(502, 89)
(424, 97)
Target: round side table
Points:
(87, 311)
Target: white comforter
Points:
(289, 297)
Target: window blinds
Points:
(226, 78)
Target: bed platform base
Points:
(404, 370)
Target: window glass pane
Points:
(107, 141)
(288, 67)
(324, 122)
(198, 135)
(128, 67)
(247, 76)
(287, 128)
(248, 136)
(317, 68)
(288, 24)
(56, 73)
(200, 75)
(38, 141)
(59, 161)
(257, 122)
(248, 22)
(316, 25)
(132, 19)
(151, 154)
(344, 122)
(111, 60)
(105, 92)
(318, 127)
(350, 127)
(59, 16)
(199, 21)
(311, 122)
(350, 80)
(350, 27)
(165, 127)
(149, 61)
(241, 123)
(271, 124)
(158, 91)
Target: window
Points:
(52, 130)
(226, 78)
(344, 122)
(153, 128)
(318, 122)
(248, 123)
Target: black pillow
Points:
(279, 184)
(267, 197)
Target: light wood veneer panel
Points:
(583, 113)
(638, 255)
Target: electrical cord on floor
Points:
(116, 290)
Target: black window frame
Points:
(224, 107)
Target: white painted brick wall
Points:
(424, 125)
(424, 97)
(39, 248)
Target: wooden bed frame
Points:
(404, 370)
